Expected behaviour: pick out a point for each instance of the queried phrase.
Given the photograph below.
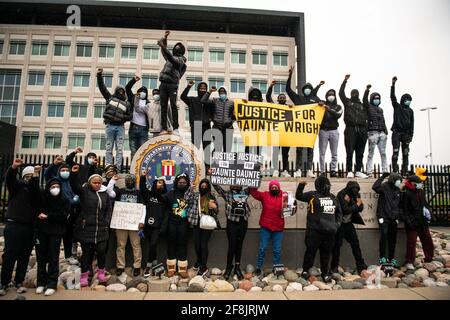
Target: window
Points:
(106, 50)
(59, 78)
(55, 109)
(30, 139)
(39, 48)
(98, 142)
(150, 81)
(36, 78)
(76, 140)
(279, 87)
(215, 81)
(129, 51)
(17, 47)
(280, 59)
(98, 110)
(84, 49)
(195, 54)
(238, 56)
(261, 85)
(61, 48)
(81, 79)
(33, 108)
(186, 115)
(217, 55)
(78, 109)
(238, 85)
(151, 52)
(9, 94)
(53, 140)
(107, 79)
(196, 79)
(8, 112)
(124, 78)
(259, 57)
(1, 46)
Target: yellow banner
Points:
(269, 124)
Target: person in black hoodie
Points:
(87, 169)
(50, 227)
(170, 76)
(155, 218)
(402, 128)
(23, 195)
(388, 214)
(351, 206)
(416, 214)
(377, 134)
(118, 111)
(329, 132)
(323, 220)
(178, 202)
(254, 94)
(355, 134)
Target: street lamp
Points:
(429, 131)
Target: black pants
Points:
(323, 242)
(403, 140)
(226, 136)
(347, 231)
(177, 240)
(388, 239)
(168, 91)
(151, 241)
(68, 237)
(89, 250)
(299, 161)
(284, 158)
(256, 150)
(47, 251)
(235, 233)
(201, 239)
(19, 242)
(355, 139)
(202, 141)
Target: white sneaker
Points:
(49, 292)
(39, 290)
(276, 173)
(176, 132)
(164, 132)
(410, 266)
(298, 173)
(310, 174)
(21, 289)
(361, 175)
(3, 290)
(350, 175)
(285, 174)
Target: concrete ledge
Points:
(215, 296)
(77, 295)
(433, 293)
(357, 294)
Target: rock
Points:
(157, 285)
(314, 272)
(248, 276)
(365, 274)
(261, 284)
(173, 287)
(249, 268)
(312, 279)
(416, 284)
(30, 279)
(277, 288)
(133, 290)
(195, 287)
(184, 282)
(282, 283)
(389, 282)
(99, 288)
(431, 267)
(310, 288)
(299, 271)
(220, 286)
(350, 285)
(302, 281)
(240, 291)
(116, 287)
(372, 268)
(441, 284)
(182, 289)
(216, 272)
(289, 289)
(235, 284)
(336, 276)
(255, 289)
(347, 274)
(351, 278)
(446, 257)
(143, 287)
(428, 282)
(267, 289)
(254, 280)
(295, 286)
(281, 277)
(439, 259)
(340, 270)
(360, 280)
(245, 285)
(134, 283)
(198, 280)
(192, 273)
(402, 286)
(290, 276)
(421, 273)
(321, 285)
(447, 264)
(438, 264)
(399, 274)
(112, 280)
(337, 287)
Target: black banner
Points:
(236, 168)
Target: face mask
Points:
(331, 98)
(376, 102)
(54, 191)
(407, 103)
(326, 189)
(307, 91)
(354, 192)
(156, 97)
(142, 95)
(65, 175)
(90, 161)
(397, 183)
(274, 192)
(203, 191)
(419, 186)
(223, 97)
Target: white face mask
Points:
(90, 161)
(54, 191)
(156, 97)
(142, 95)
(419, 186)
(331, 98)
(397, 183)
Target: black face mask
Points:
(354, 192)
(182, 188)
(274, 192)
(203, 191)
(201, 94)
(325, 190)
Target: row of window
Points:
(150, 52)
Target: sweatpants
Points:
(324, 242)
(168, 91)
(201, 239)
(122, 239)
(47, 254)
(347, 231)
(426, 240)
(388, 239)
(177, 240)
(355, 139)
(89, 251)
(236, 234)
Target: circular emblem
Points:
(167, 156)
(151, 221)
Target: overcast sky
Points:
(374, 41)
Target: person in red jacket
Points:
(271, 222)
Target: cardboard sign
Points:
(289, 205)
(127, 216)
(236, 168)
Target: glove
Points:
(396, 221)
(381, 220)
(141, 234)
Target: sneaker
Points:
(394, 263)
(310, 174)
(164, 132)
(39, 290)
(205, 272)
(227, 273)
(350, 175)
(136, 272)
(3, 290)
(382, 261)
(327, 279)
(147, 272)
(361, 175)
(21, 289)
(410, 266)
(333, 174)
(276, 173)
(49, 292)
(176, 132)
(285, 174)
(72, 261)
(258, 272)
(119, 271)
(305, 275)
(298, 173)
(334, 270)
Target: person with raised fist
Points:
(89, 167)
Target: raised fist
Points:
(78, 150)
(213, 89)
(58, 160)
(75, 168)
(368, 86)
(322, 83)
(394, 79)
(137, 78)
(191, 83)
(37, 169)
(17, 163)
(166, 34)
(272, 83)
(99, 70)
(347, 76)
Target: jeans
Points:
(236, 234)
(137, 136)
(168, 91)
(355, 142)
(47, 252)
(114, 136)
(377, 139)
(265, 235)
(403, 139)
(324, 242)
(87, 257)
(427, 244)
(388, 238)
(284, 158)
(326, 136)
(347, 231)
(299, 163)
(201, 239)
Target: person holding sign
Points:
(324, 218)
(203, 204)
(271, 222)
(93, 223)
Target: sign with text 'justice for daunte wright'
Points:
(236, 168)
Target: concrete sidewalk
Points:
(361, 294)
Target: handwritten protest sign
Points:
(127, 216)
(236, 168)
